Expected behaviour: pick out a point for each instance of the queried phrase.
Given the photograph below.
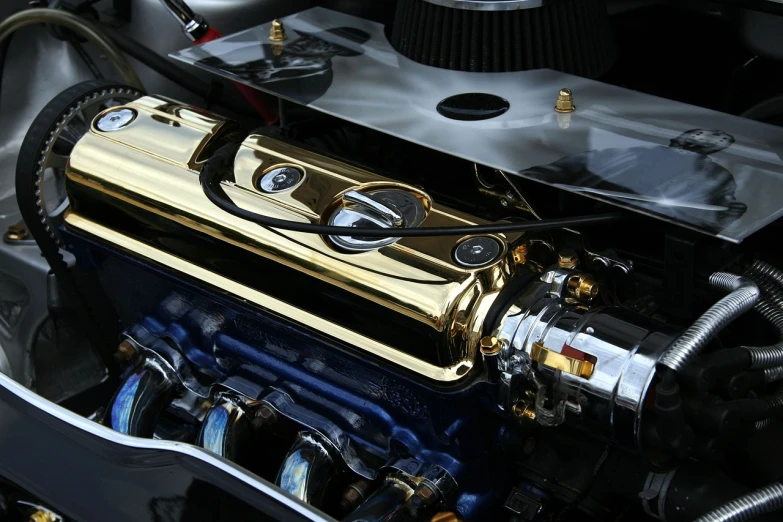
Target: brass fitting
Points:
(565, 101)
(490, 345)
(567, 258)
(519, 254)
(525, 410)
(446, 516)
(277, 31)
(17, 232)
(583, 286)
(125, 352)
(354, 495)
(41, 515)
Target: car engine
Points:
(400, 261)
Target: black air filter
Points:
(572, 36)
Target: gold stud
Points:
(277, 31)
(565, 101)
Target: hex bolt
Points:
(263, 416)
(125, 352)
(525, 411)
(490, 345)
(583, 286)
(354, 495)
(17, 232)
(567, 258)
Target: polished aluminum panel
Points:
(706, 170)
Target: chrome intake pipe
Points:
(146, 391)
(403, 497)
(309, 467)
(227, 429)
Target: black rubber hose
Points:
(222, 162)
(210, 92)
(161, 65)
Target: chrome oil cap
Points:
(383, 208)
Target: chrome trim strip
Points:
(105, 433)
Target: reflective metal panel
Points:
(713, 172)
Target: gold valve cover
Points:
(137, 189)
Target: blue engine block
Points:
(373, 412)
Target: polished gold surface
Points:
(152, 165)
(17, 232)
(490, 345)
(277, 31)
(525, 410)
(42, 515)
(558, 361)
(567, 258)
(583, 286)
(565, 101)
(265, 301)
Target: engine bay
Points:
(425, 260)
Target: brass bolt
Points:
(567, 259)
(565, 101)
(525, 410)
(490, 345)
(41, 515)
(519, 254)
(583, 286)
(17, 232)
(425, 494)
(446, 516)
(125, 352)
(277, 31)
(354, 495)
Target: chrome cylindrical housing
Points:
(598, 364)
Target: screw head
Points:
(490, 345)
(115, 120)
(478, 251)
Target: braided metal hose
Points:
(743, 296)
(763, 424)
(775, 405)
(773, 374)
(762, 357)
(760, 271)
(747, 507)
(771, 292)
